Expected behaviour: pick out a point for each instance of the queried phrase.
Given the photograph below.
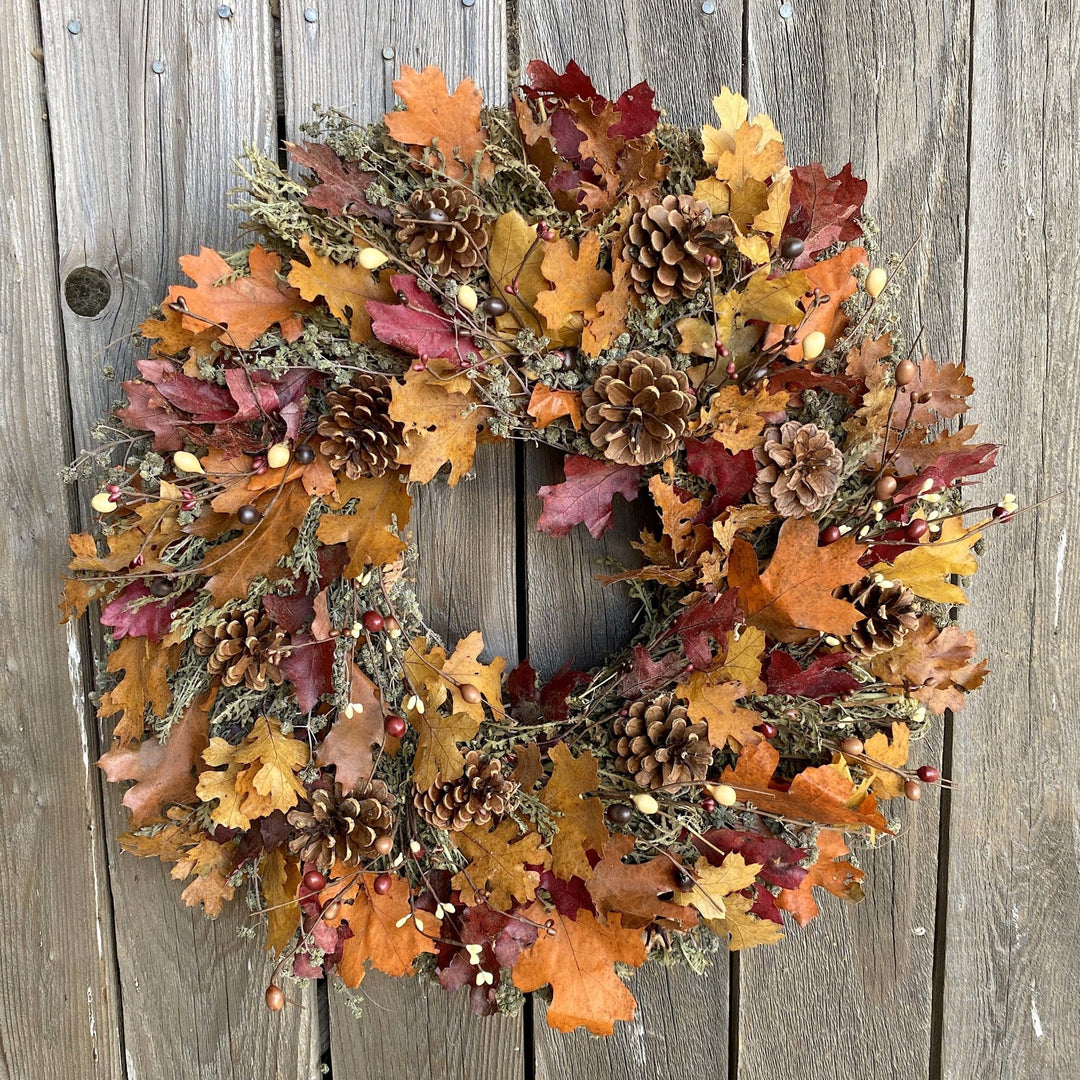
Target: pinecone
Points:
(666, 245)
(658, 745)
(888, 610)
(637, 409)
(342, 826)
(358, 434)
(798, 469)
(243, 648)
(478, 795)
(445, 227)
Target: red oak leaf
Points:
(824, 680)
(708, 618)
(309, 666)
(647, 674)
(342, 186)
(584, 498)
(731, 474)
(150, 620)
(418, 325)
(824, 209)
(779, 861)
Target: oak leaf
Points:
(711, 617)
(581, 816)
(634, 890)
(342, 186)
(146, 668)
(546, 405)
(435, 676)
(886, 783)
(370, 529)
(710, 698)
(212, 864)
(743, 929)
(577, 284)
(578, 962)
(146, 532)
(737, 420)
(437, 755)
(830, 872)
(825, 210)
(742, 660)
(925, 569)
(349, 745)
(712, 884)
(504, 864)
(514, 258)
(793, 597)
(612, 308)
(279, 874)
(585, 496)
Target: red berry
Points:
(767, 729)
(711, 261)
(928, 774)
(382, 884)
(314, 881)
(829, 535)
(258, 465)
(373, 622)
(731, 369)
(394, 726)
(708, 804)
(419, 365)
(917, 529)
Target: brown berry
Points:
(314, 881)
(470, 693)
(928, 774)
(494, 306)
(275, 998)
(792, 247)
(619, 813)
(304, 455)
(885, 488)
(331, 911)
(852, 746)
(373, 621)
(248, 514)
(395, 726)
(906, 372)
(912, 791)
(382, 884)
(917, 529)
(160, 586)
(390, 624)
(384, 845)
(436, 214)
(828, 535)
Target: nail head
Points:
(311, 15)
(388, 52)
(709, 7)
(224, 11)
(74, 26)
(785, 11)
(157, 67)
(467, 3)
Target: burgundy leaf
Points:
(569, 897)
(553, 697)
(522, 685)
(148, 410)
(824, 680)
(545, 81)
(950, 467)
(824, 209)
(764, 906)
(205, 402)
(310, 669)
(343, 186)
(731, 474)
(150, 620)
(647, 674)
(292, 612)
(637, 115)
(584, 497)
(418, 325)
(779, 862)
(708, 618)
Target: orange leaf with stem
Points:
(547, 405)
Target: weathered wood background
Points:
(119, 121)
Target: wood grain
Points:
(845, 82)
(466, 534)
(142, 166)
(61, 1011)
(682, 1021)
(1012, 959)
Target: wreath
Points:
(695, 325)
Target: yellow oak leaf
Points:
(279, 874)
(212, 864)
(744, 930)
(732, 110)
(926, 569)
(370, 529)
(710, 698)
(762, 299)
(435, 676)
(713, 883)
(437, 754)
(514, 255)
(497, 864)
(612, 309)
(581, 816)
(885, 783)
(577, 284)
(737, 420)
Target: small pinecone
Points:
(666, 244)
(798, 469)
(357, 432)
(478, 795)
(658, 745)
(243, 648)
(637, 409)
(445, 227)
(888, 610)
(342, 827)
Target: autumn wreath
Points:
(690, 320)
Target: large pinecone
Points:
(798, 469)
(658, 745)
(888, 614)
(445, 227)
(666, 245)
(342, 826)
(478, 795)
(357, 432)
(243, 647)
(637, 409)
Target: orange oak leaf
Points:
(634, 891)
(577, 284)
(514, 257)
(146, 532)
(437, 755)
(164, 772)
(612, 309)
(829, 871)
(386, 934)
(349, 746)
(581, 822)
(146, 668)
(885, 783)
(744, 930)
(345, 288)
(547, 405)
(793, 597)
(279, 874)
(212, 864)
(436, 676)
(737, 420)
(171, 336)
(242, 307)
(447, 124)
(710, 698)
(822, 794)
(578, 962)
(378, 509)
(498, 861)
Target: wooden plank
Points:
(348, 57)
(682, 1020)
(147, 112)
(844, 82)
(54, 891)
(1013, 957)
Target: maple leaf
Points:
(345, 288)
(737, 420)
(634, 891)
(712, 884)
(504, 864)
(547, 405)
(824, 679)
(581, 825)
(710, 698)
(821, 794)
(584, 497)
(447, 124)
(925, 569)
(418, 325)
(243, 308)
(577, 284)
(829, 871)
(441, 419)
(824, 209)
(578, 962)
(259, 775)
(711, 617)
(934, 666)
(794, 595)
(369, 530)
(385, 934)
(279, 875)
(351, 740)
(342, 186)
(886, 783)
(162, 771)
(146, 682)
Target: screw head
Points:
(388, 52)
(708, 7)
(785, 11)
